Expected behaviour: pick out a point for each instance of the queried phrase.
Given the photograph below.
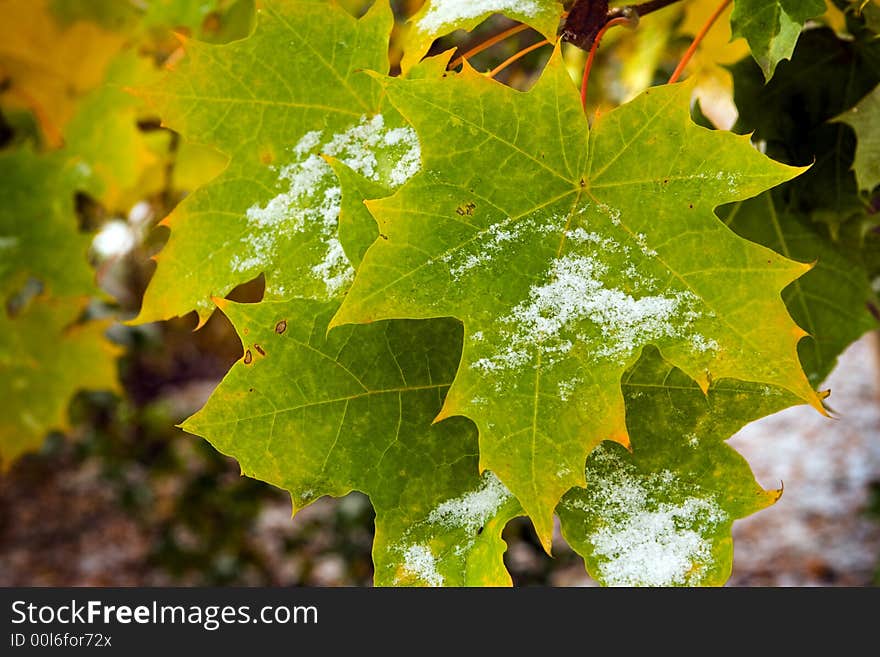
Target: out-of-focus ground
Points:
(122, 508)
(822, 531)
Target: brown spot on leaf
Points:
(266, 157)
(466, 209)
(259, 349)
(281, 327)
(248, 357)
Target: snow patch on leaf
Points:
(492, 243)
(419, 561)
(443, 14)
(456, 523)
(472, 510)
(546, 323)
(311, 200)
(639, 540)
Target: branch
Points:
(587, 18)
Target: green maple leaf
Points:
(865, 120)
(38, 233)
(274, 103)
(321, 414)
(45, 354)
(564, 253)
(45, 357)
(661, 514)
(831, 300)
(437, 18)
(772, 27)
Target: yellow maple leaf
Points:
(46, 65)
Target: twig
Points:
(488, 43)
(510, 60)
(697, 39)
(620, 20)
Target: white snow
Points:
(418, 560)
(140, 215)
(474, 509)
(115, 238)
(443, 13)
(457, 522)
(492, 242)
(311, 200)
(576, 293)
(642, 542)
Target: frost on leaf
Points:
(661, 514)
(457, 526)
(445, 14)
(565, 252)
(311, 199)
(639, 539)
(419, 561)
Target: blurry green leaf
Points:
(772, 27)
(44, 359)
(826, 76)
(38, 232)
(865, 120)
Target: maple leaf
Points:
(661, 514)
(38, 233)
(772, 27)
(103, 138)
(274, 210)
(864, 118)
(437, 18)
(564, 253)
(830, 301)
(320, 414)
(50, 65)
(45, 357)
(45, 354)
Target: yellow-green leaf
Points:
(564, 252)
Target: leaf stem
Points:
(620, 20)
(510, 60)
(697, 39)
(645, 8)
(488, 43)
